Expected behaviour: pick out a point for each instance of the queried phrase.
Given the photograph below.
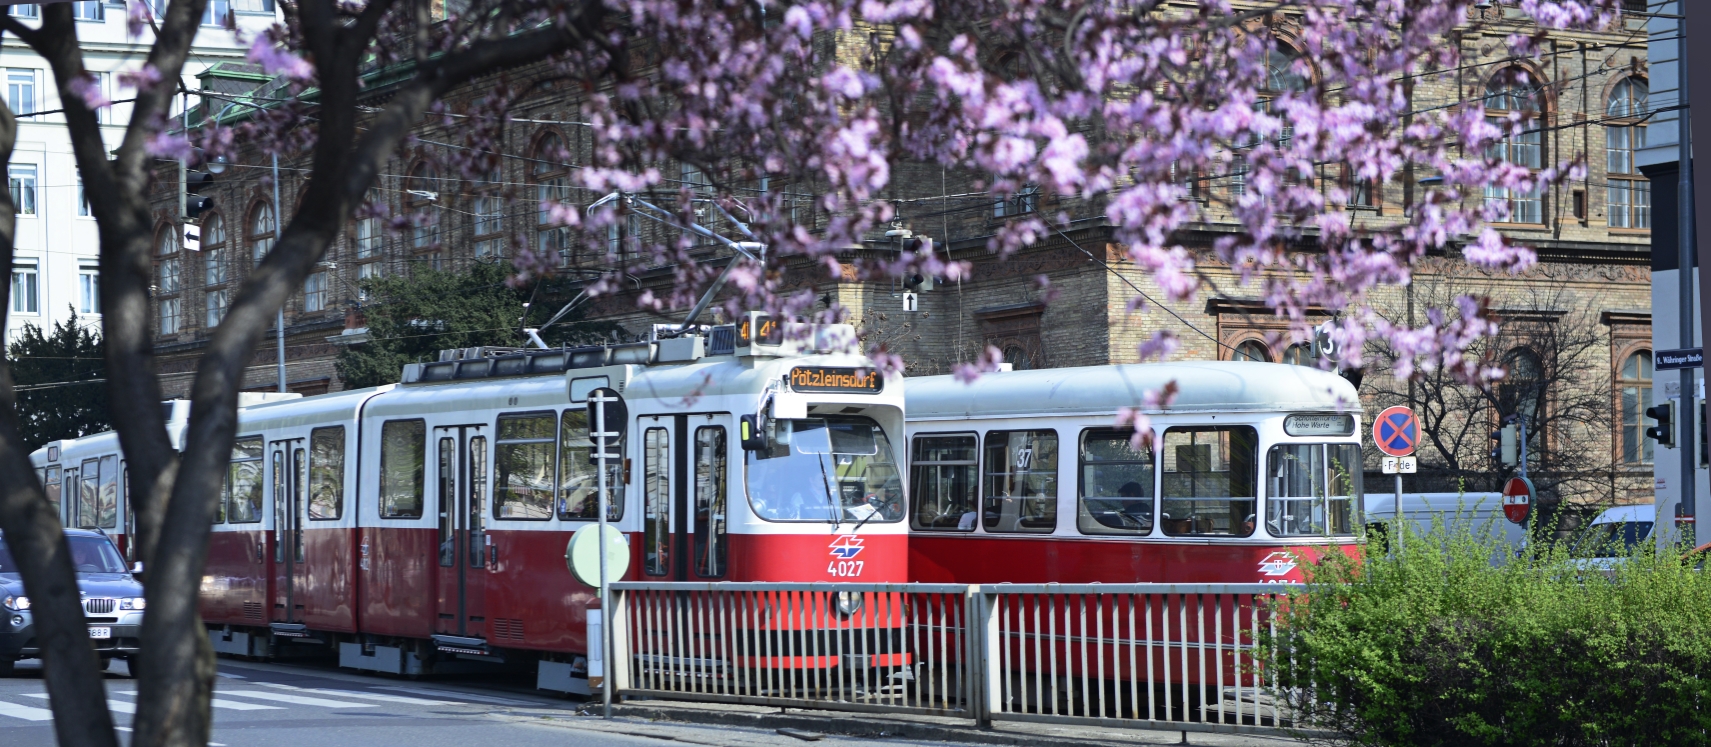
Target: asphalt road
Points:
(262, 705)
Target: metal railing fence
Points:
(877, 647)
(1176, 656)
(1159, 655)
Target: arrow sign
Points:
(1396, 431)
(1518, 499)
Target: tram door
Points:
(290, 467)
(460, 459)
(685, 496)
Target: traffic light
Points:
(1664, 431)
(196, 204)
(1507, 450)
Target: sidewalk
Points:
(922, 728)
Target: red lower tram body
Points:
(985, 559)
(390, 600)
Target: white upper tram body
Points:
(1253, 455)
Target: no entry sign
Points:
(1396, 431)
(1518, 499)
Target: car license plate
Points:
(100, 632)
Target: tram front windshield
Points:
(831, 469)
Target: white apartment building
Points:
(55, 268)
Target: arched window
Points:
(216, 260)
(1299, 354)
(169, 283)
(1522, 389)
(1628, 193)
(1252, 350)
(421, 198)
(261, 229)
(552, 185)
(1283, 75)
(1018, 358)
(1506, 94)
(1634, 384)
(489, 218)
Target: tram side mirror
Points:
(753, 436)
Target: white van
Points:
(1472, 511)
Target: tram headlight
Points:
(849, 603)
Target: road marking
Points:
(455, 694)
(369, 696)
(282, 698)
(236, 705)
(230, 676)
(112, 705)
(25, 712)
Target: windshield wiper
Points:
(837, 513)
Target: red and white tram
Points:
(1021, 476)
(423, 525)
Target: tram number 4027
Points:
(844, 568)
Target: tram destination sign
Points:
(1665, 360)
(827, 379)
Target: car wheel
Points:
(134, 667)
(6, 666)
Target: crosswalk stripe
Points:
(455, 694)
(299, 700)
(355, 694)
(112, 705)
(25, 712)
(236, 705)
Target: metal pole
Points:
(1401, 527)
(1684, 250)
(606, 621)
(279, 320)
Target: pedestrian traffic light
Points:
(1664, 431)
(196, 204)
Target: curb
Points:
(855, 725)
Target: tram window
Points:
(578, 483)
(478, 502)
(1021, 482)
(711, 466)
(403, 467)
(523, 467)
(243, 482)
(656, 501)
(448, 502)
(1116, 484)
(1209, 481)
(326, 473)
(945, 479)
(831, 469)
(50, 484)
(89, 485)
(1310, 488)
(107, 502)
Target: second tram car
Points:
(1253, 470)
(418, 526)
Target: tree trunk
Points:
(33, 531)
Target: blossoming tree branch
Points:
(1105, 104)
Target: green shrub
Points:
(1435, 644)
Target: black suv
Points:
(112, 601)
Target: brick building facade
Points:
(1062, 302)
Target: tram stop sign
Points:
(1518, 499)
(1396, 431)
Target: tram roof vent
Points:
(463, 364)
